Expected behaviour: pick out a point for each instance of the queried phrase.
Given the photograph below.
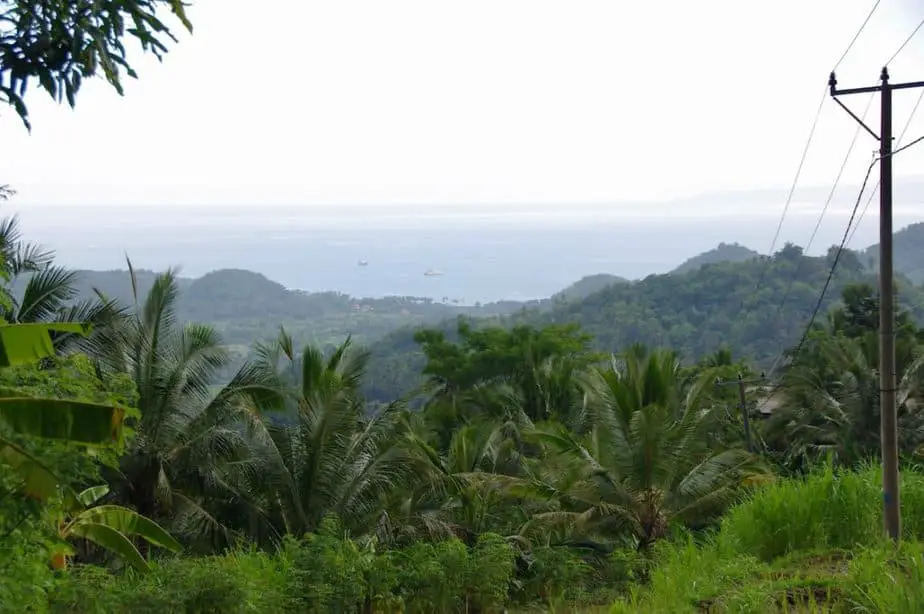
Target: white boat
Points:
(363, 262)
(431, 273)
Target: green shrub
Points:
(490, 570)
(431, 577)
(329, 573)
(556, 574)
(239, 582)
(25, 576)
(382, 586)
(85, 589)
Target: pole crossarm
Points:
(832, 83)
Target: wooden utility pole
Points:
(743, 404)
(742, 399)
(887, 376)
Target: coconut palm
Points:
(829, 399)
(645, 458)
(18, 255)
(464, 490)
(320, 453)
(49, 293)
(190, 460)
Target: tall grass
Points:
(828, 509)
(809, 545)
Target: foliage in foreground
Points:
(329, 572)
(807, 545)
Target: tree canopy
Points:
(57, 44)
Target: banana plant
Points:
(90, 424)
(111, 527)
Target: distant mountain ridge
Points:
(246, 306)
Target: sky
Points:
(435, 102)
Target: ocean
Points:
(482, 253)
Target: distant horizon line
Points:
(760, 192)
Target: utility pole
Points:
(887, 376)
(743, 404)
(742, 399)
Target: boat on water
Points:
(363, 262)
(431, 273)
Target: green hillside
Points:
(909, 252)
(247, 306)
(587, 286)
(695, 313)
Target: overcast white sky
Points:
(474, 101)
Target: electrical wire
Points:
(901, 137)
(789, 197)
(824, 211)
(857, 35)
(805, 150)
(837, 256)
(852, 228)
(840, 173)
(905, 44)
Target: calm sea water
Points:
(482, 253)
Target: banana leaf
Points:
(91, 424)
(38, 480)
(28, 343)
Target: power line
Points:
(824, 210)
(872, 194)
(834, 264)
(824, 289)
(904, 44)
(851, 230)
(837, 179)
(857, 35)
(789, 197)
(805, 150)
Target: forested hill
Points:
(247, 306)
(725, 252)
(587, 286)
(695, 312)
(909, 252)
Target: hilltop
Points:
(724, 252)
(586, 286)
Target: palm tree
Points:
(464, 490)
(644, 459)
(49, 294)
(321, 454)
(830, 400)
(190, 460)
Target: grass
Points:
(812, 545)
